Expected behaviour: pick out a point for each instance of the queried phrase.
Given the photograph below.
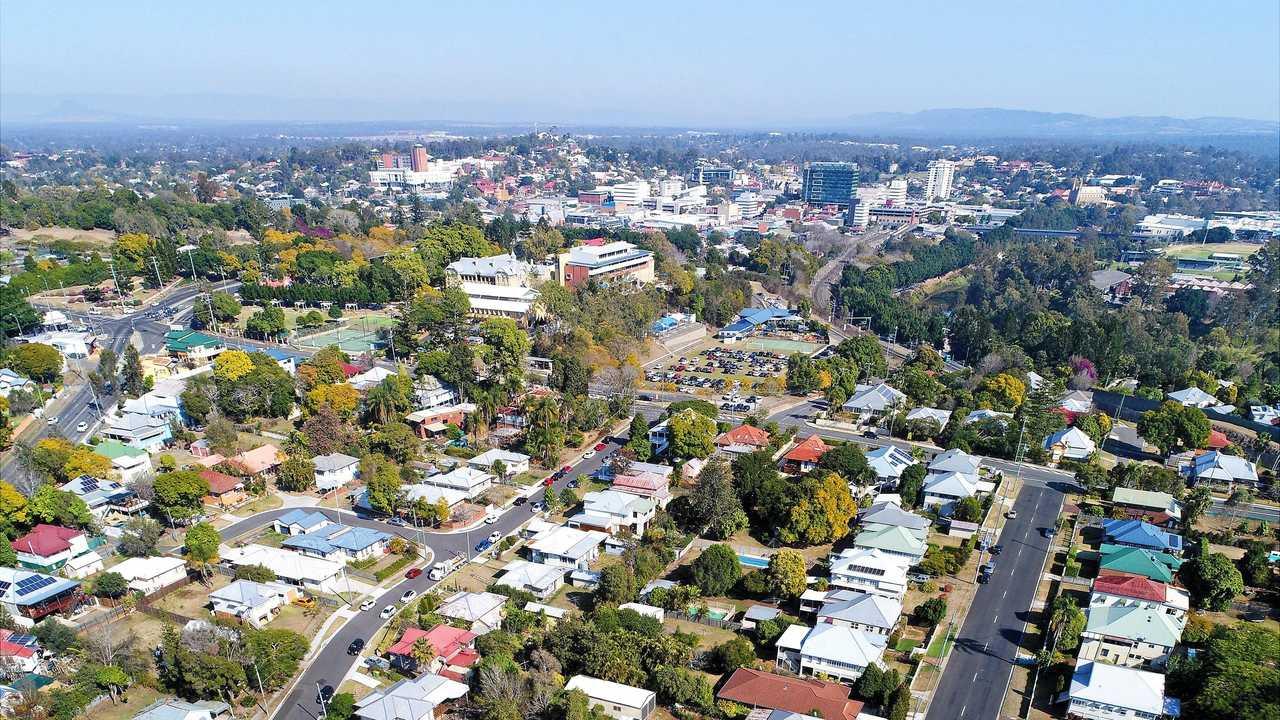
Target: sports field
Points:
(777, 345)
(1197, 251)
(356, 336)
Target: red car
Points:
(546, 482)
(600, 446)
(566, 468)
(413, 573)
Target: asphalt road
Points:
(982, 661)
(332, 663)
(1253, 511)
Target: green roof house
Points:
(1136, 561)
(894, 540)
(132, 463)
(194, 347)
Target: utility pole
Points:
(119, 296)
(154, 264)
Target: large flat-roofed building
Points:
(607, 262)
(830, 183)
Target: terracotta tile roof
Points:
(744, 435)
(45, 540)
(1133, 586)
(762, 689)
(259, 459)
(811, 449)
(220, 483)
(1217, 440)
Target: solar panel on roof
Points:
(23, 639)
(33, 583)
(4, 585)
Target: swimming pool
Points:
(753, 561)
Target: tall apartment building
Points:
(897, 193)
(941, 173)
(419, 158)
(605, 262)
(830, 183)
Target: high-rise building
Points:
(418, 160)
(705, 173)
(941, 173)
(830, 183)
(897, 192)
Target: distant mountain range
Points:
(1001, 123)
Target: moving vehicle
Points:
(387, 612)
(408, 595)
(444, 567)
(356, 646)
(600, 446)
(520, 501)
(82, 426)
(413, 573)
(52, 421)
(986, 571)
(325, 694)
(367, 604)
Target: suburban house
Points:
(1157, 566)
(1139, 534)
(956, 461)
(870, 571)
(109, 502)
(928, 414)
(1158, 508)
(452, 648)
(645, 484)
(129, 462)
(434, 422)
(1115, 285)
(757, 614)
(30, 596)
(10, 381)
(163, 401)
(888, 462)
(1129, 635)
(618, 701)
(758, 689)
(482, 611)
(1100, 691)
(176, 709)
(612, 511)
(261, 462)
(250, 602)
(742, 439)
(871, 403)
(513, 463)
(224, 490)
(1193, 397)
(20, 651)
(465, 479)
(984, 415)
(137, 431)
(299, 521)
(1075, 403)
(891, 540)
(803, 457)
(1219, 467)
(660, 435)
(148, 574)
(953, 476)
(340, 543)
(829, 650)
(541, 580)
(890, 514)
(1120, 590)
(567, 547)
(193, 348)
(312, 574)
(410, 699)
(860, 611)
(49, 547)
(1070, 444)
(335, 470)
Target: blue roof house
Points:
(339, 543)
(1139, 534)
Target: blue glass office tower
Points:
(830, 183)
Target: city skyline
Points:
(815, 64)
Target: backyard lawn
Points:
(130, 704)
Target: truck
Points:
(444, 567)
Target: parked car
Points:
(325, 695)
(869, 434)
(483, 545)
(491, 519)
(521, 500)
(397, 522)
(82, 426)
(413, 573)
(564, 470)
(387, 612)
(600, 446)
(1049, 532)
(996, 549)
(408, 595)
(367, 604)
(546, 482)
(1011, 514)
(572, 483)
(356, 646)
(495, 536)
(538, 506)
(919, 577)
(52, 421)
(588, 454)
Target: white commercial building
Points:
(941, 174)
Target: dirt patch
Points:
(192, 600)
(49, 234)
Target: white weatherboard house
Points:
(953, 476)
(618, 701)
(870, 571)
(410, 699)
(464, 479)
(1193, 397)
(252, 602)
(860, 611)
(888, 462)
(312, 574)
(1130, 635)
(612, 511)
(514, 463)
(335, 470)
(567, 547)
(481, 611)
(1110, 692)
(1220, 467)
(833, 650)
(148, 574)
(872, 402)
(1071, 444)
(541, 580)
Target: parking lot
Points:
(715, 368)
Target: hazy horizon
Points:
(740, 65)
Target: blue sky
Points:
(648, 62)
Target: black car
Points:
(325, 695)
(572, 483)
(869, 434)
(356, 646)
(521, 500)
(995, 549)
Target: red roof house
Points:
(1131, 586)
(806, 454)
(46, 540)
(454, 647)
(1217, 440)
(225, 490)
(743, 439)
(757, 689)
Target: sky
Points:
(656, 62)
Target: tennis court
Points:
(363, 335)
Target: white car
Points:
(490, 519)
(588, 454)
(387, 612)
(367, 604)
(495, 536)
(82, 427)
(52, 421)
(408, 596)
